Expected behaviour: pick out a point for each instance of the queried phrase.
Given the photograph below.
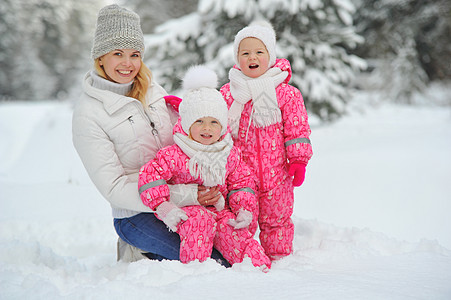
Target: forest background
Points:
(372, 218)
(335, 46)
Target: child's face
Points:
(206, 130)
(253, 57)
(121, 65)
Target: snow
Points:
(372, 218)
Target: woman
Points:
(118, 125)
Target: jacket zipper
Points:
(259, 158)
(132, 123)
(152, 124)
(152, 108)
(155, 134)
(154, 128)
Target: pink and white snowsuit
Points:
(268, 152)
(205, 226)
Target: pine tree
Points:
(10, 50)
(315, 36)
(45, 45)
(155, 12)
(407, 42)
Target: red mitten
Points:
(297, 169)
(174, 101)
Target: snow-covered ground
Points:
(372, 218)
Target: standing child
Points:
(270, 125)
(204, 154)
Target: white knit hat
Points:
(261, 30)
(117, 28)
(201, 98)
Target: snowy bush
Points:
(409, 42)
(314, 35)
(44, 45)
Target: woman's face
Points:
(206, 130)
(121, 65)
(253, 57)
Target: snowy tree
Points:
(407, 42)
(155, 12)
(9, 45)
(315, 35)
(44, 44)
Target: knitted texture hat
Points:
(261, 30)
(117, 28)
(201, 98)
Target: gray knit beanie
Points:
(117, 28)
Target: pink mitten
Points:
(174, 101)
(171, 215)
(243, 219)
(297, 169)
(220, 204)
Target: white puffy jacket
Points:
(114, 137)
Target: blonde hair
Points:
(141, 82)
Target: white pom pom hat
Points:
(201, 98)
(261, 30)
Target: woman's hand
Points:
(208, 196)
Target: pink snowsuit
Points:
(268, 152)
(205, 226)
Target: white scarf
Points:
(207, 162)
(262, 91)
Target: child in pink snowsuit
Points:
(269, 124)
(203, 154)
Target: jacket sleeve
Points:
(241, 184)
(225, 92)
(103, 166)
(296, 127)
(153, 177)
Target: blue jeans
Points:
(146, 232)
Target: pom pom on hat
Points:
(199, 76)
(201, 98)
(117, 28)
(262, 30)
